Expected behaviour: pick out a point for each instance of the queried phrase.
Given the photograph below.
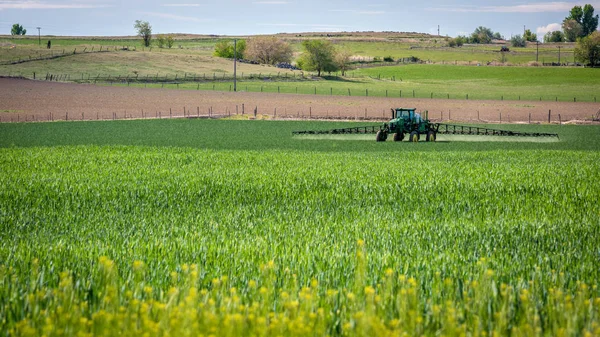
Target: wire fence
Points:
(252, 111)
(285, 85)
(60, 53)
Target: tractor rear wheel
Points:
(414, 137)
(381, 136)
(431, 136)
(398, 136)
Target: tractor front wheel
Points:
(381, 136)
(414, 137)
(431, 136)
(398, 136)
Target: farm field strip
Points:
(406, 81)
(22, 100)
(297, 241)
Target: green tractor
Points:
(408, 122)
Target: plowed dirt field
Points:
(27, 100)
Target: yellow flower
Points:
(361, 243)
(314, 283)
(138, 265)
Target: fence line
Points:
(253, 111)
(61, 54)
(221, 83)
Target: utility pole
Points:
(438, 30)
(39, 36)
(537, 50)
(234, 65)
(559, 55)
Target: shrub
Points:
(518, 41)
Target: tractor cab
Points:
(407, 115)
(407, 122)
(402, 118)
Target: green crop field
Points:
(238, 228)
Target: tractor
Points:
(407, 122)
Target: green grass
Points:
(431, 81)
(237, 227)
(263, 135)
(473, 53)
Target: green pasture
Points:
(419, 81)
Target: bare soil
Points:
(27, 100)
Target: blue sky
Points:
(237, 17)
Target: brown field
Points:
(27, 100)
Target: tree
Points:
(342, 60)
(587, 23)
(572, 30)
(268, 50)
(318, 55)
(576, 14)
(161, 40)
(588, 49)
(144, 30)
(482, 35)
(529, 36)
(17, 29)
(170, 41)
(457, 42)
(225, 49)
(518, 41)
(498, 36)
(553, 37)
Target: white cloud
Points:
(542, 7)
(182, 5)
(357, 11)
(45, 5)
(175, 17)
(308, 27)
(549, 28)
(271, 2)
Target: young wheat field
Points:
(237, 228)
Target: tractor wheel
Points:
(381, 136)
(431, 136)
(398, 136)
(414, 137)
